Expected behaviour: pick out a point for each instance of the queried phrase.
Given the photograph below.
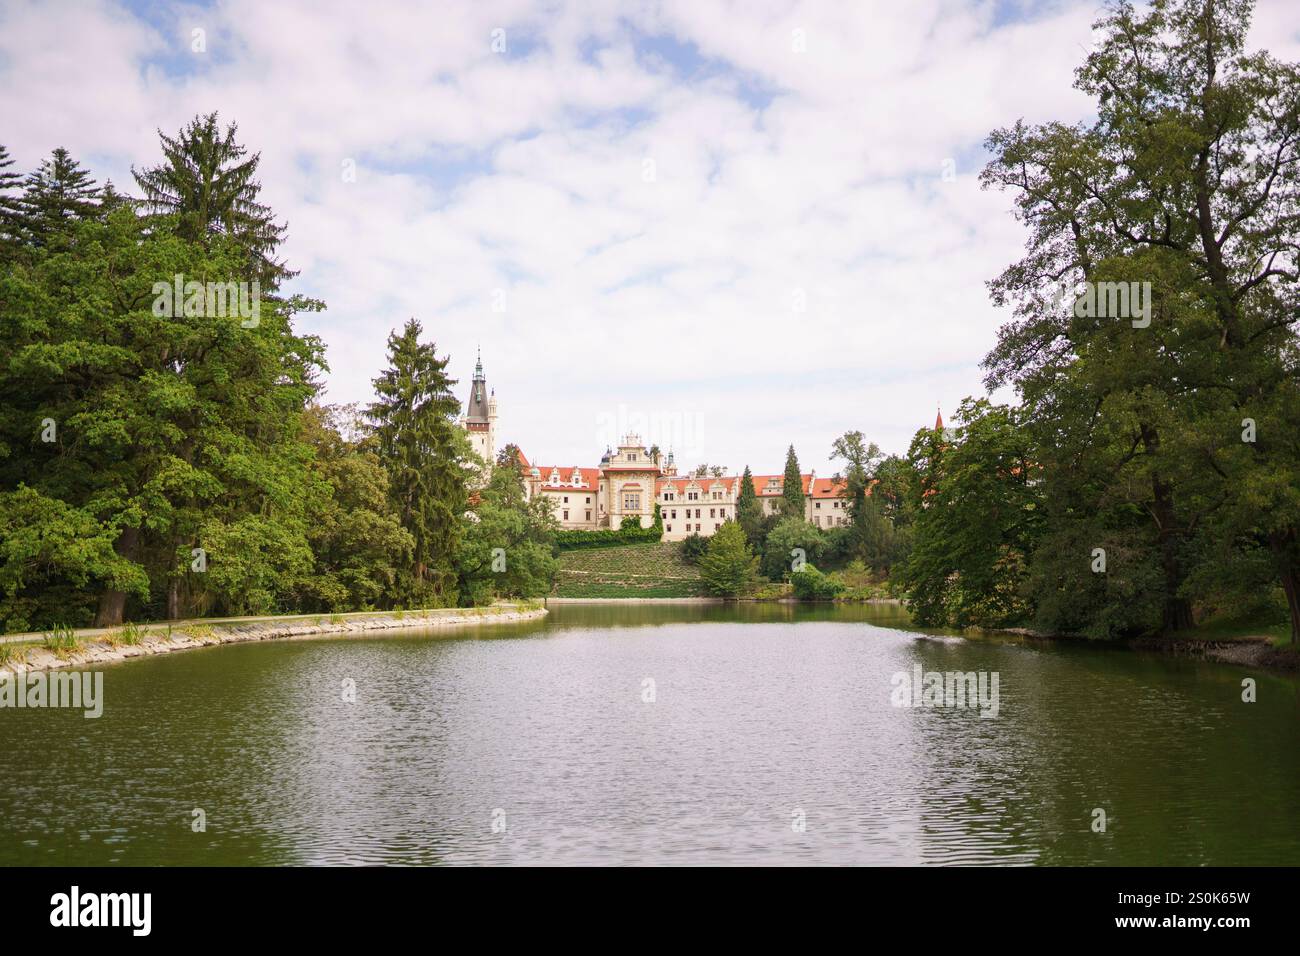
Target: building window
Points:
(697, 527)
(713, 512)
(566, 514)
(715, 526)
(818, 506)
(697, 514)
(631, 457)
(588, 499)
(668, 528)
(674, 513)
(566, 499)
(588, 514)
(632, 501)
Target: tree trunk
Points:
(174, 599)
(112, 604)
(1176, 614)
(1289, 571)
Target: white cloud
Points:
(672, 299)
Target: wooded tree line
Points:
(1149, 475)
(170, 459)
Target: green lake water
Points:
(685, 734)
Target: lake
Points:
(668, 734)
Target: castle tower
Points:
(480, 419)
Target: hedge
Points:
(630, 533)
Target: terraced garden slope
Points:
(654, 569)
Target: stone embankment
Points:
(20, 653)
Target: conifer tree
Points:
(10, 208)
(55, 197)
(424, 451)
(206, 182)
(792, 498)
(749, 514)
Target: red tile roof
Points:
(829, 488)
(705, 484)
(760, 484)
(590, 477)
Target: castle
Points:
(629, 482)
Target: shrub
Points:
(729, 568)
(811, 585)
(693, 548)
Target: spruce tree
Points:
(208, 185)
(424, 451)
(792, 498)
(749, 514)
(10, 208)
(55, 197)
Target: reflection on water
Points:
(770, 739)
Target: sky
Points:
(730, 227)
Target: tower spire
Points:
(938, 419)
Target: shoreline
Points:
(187, 635)
(1249, 651)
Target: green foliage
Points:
(780, 543)
(56, 197)
(978, 518)
(648, 569)
(811, 585)
(630, 532)
(62, 640)
(428, 461)
(693, 547)
(792, 496)
(870, 536)
(131, 634)
(729, 568)
(358, 543)
(54, 556)
(208, 190)
(507, 550)
(1183, 180)
(749, 513)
